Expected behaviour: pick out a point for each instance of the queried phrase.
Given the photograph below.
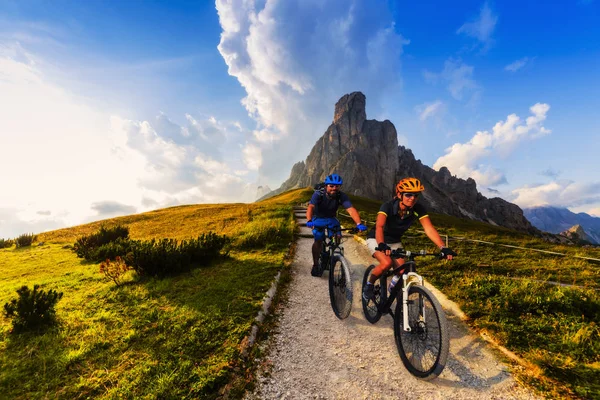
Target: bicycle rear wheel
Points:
(424, 349)
(371, 307)
(340, 286)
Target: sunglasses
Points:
(411, 195)
(334, 186)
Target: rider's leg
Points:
(316, 250)
(319, 235)
(385, 262)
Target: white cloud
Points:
(458, 77)
(429, 110)
(538, 195)
(516, 65)
(594, 212)
(209, 165)
(266, 135)
(76, 162)
(177, 169)
(13, 223)
(462, 159)
(559, 193)
(482, 27)
(295, 59)
(110, 209)
(252, 156)
(56, 147)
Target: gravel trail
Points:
(314, 355)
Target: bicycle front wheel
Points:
(423, 349)
(340, 286)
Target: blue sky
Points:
(117, 107)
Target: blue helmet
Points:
(333, 179)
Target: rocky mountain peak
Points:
(350, 112)
(367, 156)
(560, 220)
(576, 229)
(577, 234)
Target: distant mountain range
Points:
(560, 220)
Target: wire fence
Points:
(448, 238)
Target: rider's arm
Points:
(431, 232)
(309, 212)
(353, 214)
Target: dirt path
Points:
(314, 355)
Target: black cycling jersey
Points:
(396, 225)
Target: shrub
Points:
(25, 240)
(33, 309)
(167, 257)
(87, 246)
(112, 250)
(114, 269)
(4, 243)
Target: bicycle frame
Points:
(409, 278)
(333, 243)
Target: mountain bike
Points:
(340, 280)
(420, 327)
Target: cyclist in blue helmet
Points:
(322, 211)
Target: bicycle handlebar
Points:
(351, 230)
(400, 253)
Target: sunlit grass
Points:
(177, 337)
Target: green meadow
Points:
(182, 336)
(178, 337)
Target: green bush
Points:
(167, 257)
(88, 246)
(25, 240)
(110, 251)
(4, 243)
(33, 309)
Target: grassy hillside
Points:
(176, 337)
(181, 337)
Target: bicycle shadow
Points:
(470, 364)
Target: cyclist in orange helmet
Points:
(393, 219)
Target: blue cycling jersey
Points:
(326, 207)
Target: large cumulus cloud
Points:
(296, 58)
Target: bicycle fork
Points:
(409, 280)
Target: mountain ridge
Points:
(560, 219)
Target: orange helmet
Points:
(409, 185)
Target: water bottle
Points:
(393, 282)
